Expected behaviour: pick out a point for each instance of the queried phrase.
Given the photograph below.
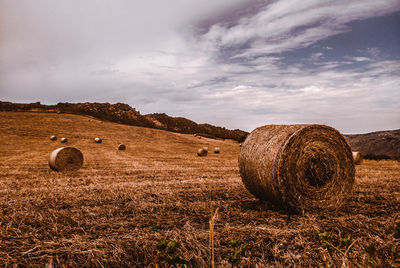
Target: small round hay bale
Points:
(297, 166)
(199, 137)
(202, 152)
(240, 145)
(66, 159)
(195, 135)
(53, 138)
(121, 147)
(63, 140)
(98, 140)
(216, 150)
(357, 157)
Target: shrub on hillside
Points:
(377, 157)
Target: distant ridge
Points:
(377, 143)
(125, 114)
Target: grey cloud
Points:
(285, 25)
(151, 56)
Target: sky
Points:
(232, 63)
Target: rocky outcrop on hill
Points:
(124, 114)
(183, 125)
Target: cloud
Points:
(284, 25)
(186, 59)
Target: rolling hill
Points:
(123, 113)
(386, 143)
(377, 143)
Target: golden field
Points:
(112, 211)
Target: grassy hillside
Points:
(124, 114)
(113, 211)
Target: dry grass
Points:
(112, 211)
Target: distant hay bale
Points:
(240, 145)
(357, 157)
(199, 137)
(53, 138)
(195, 135)
(121, 147)
(205, 148)
(98, 140)
(216, 150)
(63, 140)
(202, 152)
(66, 159)
(297, 166)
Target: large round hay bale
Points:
(98, 140)
(53, 138)
(63, 140)
(297, 166)
(121, 147)
(66, 159)
(202, 152)
(357, 158)
(216, 150)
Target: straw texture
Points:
(357, 157)
(202, 152)
(66, 159)
(297, 166)
(121, 147)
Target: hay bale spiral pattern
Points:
(66, 159)
(121, 147)
(202, 152)
(297, 166)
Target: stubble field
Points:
(114, 209)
